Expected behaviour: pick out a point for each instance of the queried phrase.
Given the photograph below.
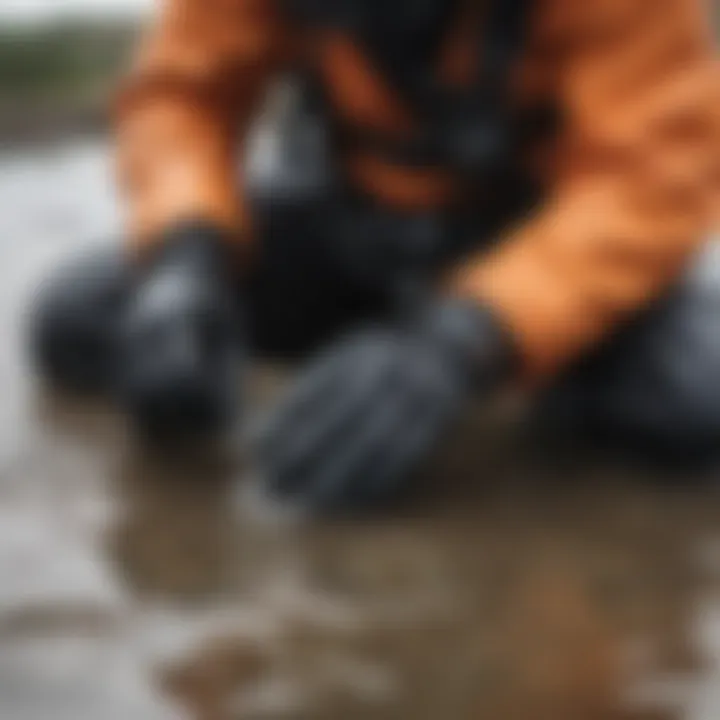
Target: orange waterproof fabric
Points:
(633, 180)
(185, 108)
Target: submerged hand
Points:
(369, 411)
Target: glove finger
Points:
(353, 468)
(293, 465)
(298, 404)
(393, 469)
(291, 451)
(338, 480)
(426, 417)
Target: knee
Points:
(681, 423)
(664, 386)
(72, 319)
(656, 387)
(666, 413)
(688, 349)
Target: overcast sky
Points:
(32, 10)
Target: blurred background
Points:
(513, 590)
(58, 60)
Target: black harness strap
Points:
(474, 131)
(471, 130)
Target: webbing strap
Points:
(507, 29)
(501, 35)
(471, 129)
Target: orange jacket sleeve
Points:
(185, 108)
(636, 184)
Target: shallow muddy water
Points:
(510, 589)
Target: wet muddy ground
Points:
(512, 589)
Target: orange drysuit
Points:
(632, 181)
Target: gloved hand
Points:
(181, 345)
(368, 411)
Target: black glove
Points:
(181, 346)
(369, 410)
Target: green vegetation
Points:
(59, 71)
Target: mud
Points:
(509, 589)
